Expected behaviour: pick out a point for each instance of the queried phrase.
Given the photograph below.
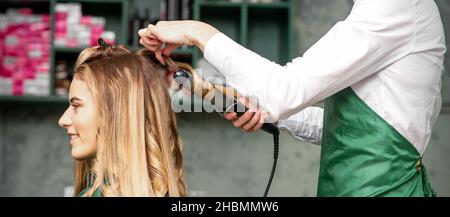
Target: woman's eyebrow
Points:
(73, 99)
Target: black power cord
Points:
(267, 127)
(275, 159)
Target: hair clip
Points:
(102, 43)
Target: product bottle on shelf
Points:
(61, 79)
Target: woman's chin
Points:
(80, 156)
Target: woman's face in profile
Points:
(80, 121)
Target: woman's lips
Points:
(73, 138)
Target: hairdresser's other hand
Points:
(166, 36)
(251, 121)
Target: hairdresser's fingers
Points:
(162, 32)
(154, 42)
(252, 122)
(142, 32)
(144, 39)
(147, 42)
(142, 42)
(153, 31)
(169, 48)
(244, 118)
(174, 32)
(259, 124)
(231, 116)
(150, 47)
(158, 55)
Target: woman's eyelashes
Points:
(75, 102)
(75, 107)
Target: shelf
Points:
(221, 4)
(280, 5)
(33, 99)
(265, 28)
(225, 4)
(24, 1)
(93, 1)
(69, 49)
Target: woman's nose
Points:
(65, 120)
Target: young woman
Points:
(122, 129)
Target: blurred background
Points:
(40, 40)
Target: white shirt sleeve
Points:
(305, 125)
(374, 35)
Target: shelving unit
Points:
(115, 13)
(32, 99)
(265, 28)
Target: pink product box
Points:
(14, 43)
(38, 51)
(6, 86)
(96, 32)
(61, 15)
(11, 44)
(17, 88)
(39, 27)
(25, 55)
(9, 65)
(60, 29)
(92, 21)
(36, 87)
(1, 54)
(86, 20)
(42, 68)
(23, 83)
(45, 18)
(109, 37)
(25, 11)
(66, 42)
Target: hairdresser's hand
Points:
(250, 121)
(166, 36)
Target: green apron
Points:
(362, 155)
(97, 193)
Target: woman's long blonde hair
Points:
(139, 152)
